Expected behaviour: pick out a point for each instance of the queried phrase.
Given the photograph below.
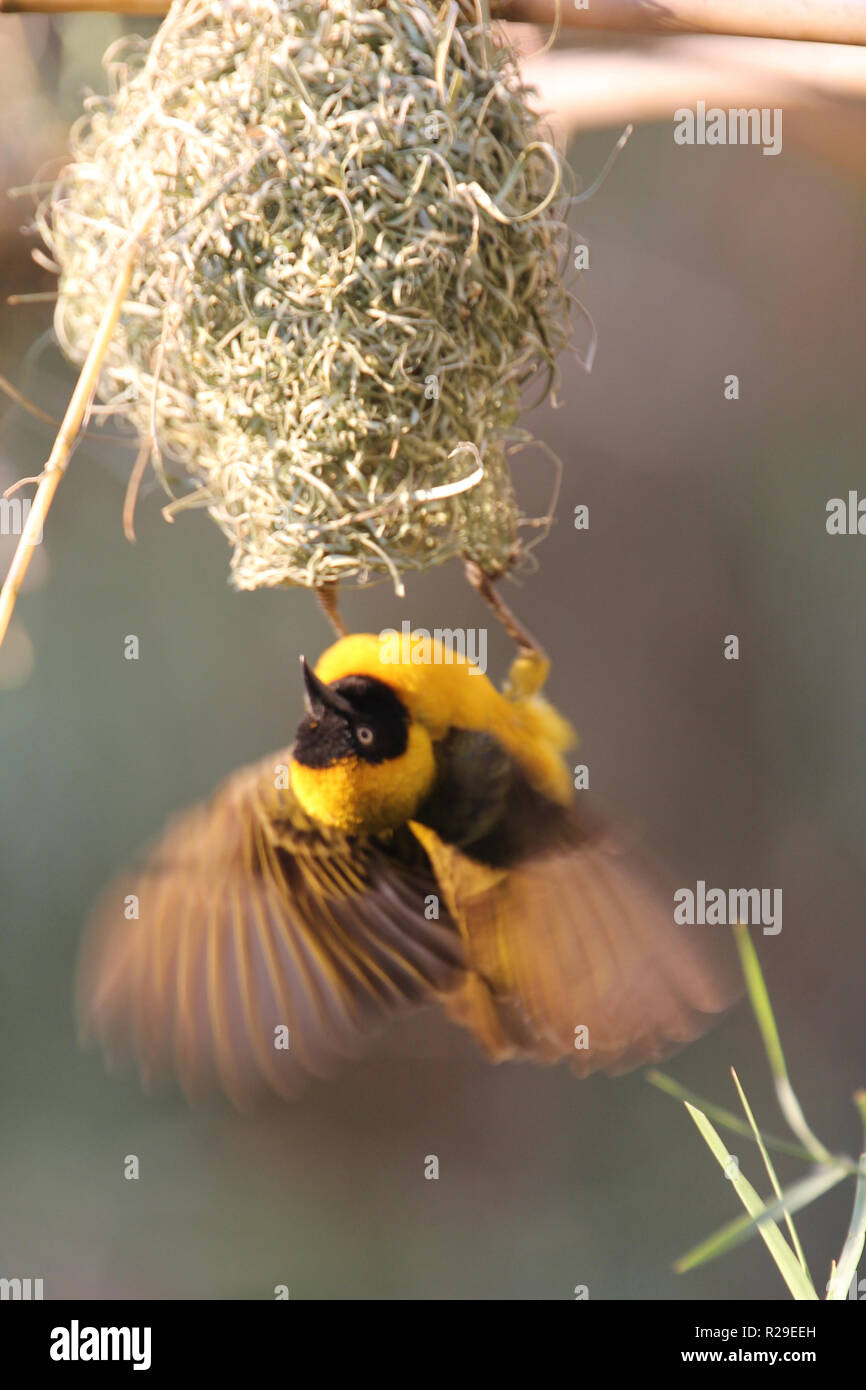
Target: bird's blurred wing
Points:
(572, 956)
(252, 946)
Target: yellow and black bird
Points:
(416, 842)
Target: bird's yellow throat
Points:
(367, 798)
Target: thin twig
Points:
(61, 452)
(483, 585)
(822, 21)
(327, 596)
(37, 297)
(25, 403)
(141, 461)
(154, 7)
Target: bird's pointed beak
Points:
(318, 697)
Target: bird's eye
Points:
(364, 735)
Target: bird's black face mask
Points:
(356, 717)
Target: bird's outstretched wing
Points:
(249, 927)
(570, 954)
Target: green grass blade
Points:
(763, 1010)
(771, 1174)
(760, 1001)
(798, 1283)
(856, 1238)
(800, 1194)
(727, 1118)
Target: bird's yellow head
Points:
(359, 761)
(363, 759)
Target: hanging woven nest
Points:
(352, 269)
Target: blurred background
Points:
(707, 518)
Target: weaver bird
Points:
(416, 842)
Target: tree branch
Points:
(142, 7)
(580, 88)
(821, 21)
(70, 429)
